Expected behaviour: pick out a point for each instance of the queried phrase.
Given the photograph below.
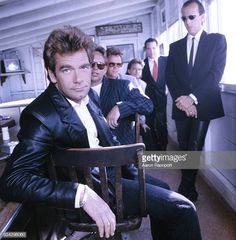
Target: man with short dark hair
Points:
(154, 75)
(115, 63)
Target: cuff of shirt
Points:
(79, 191)
(194, 98)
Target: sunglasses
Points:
(190, 17)
(99, 65)
(112, 64)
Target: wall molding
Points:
(221, 184)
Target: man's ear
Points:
(53, 78)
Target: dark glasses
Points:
(112, 64)
(190, 17)
(99, 65)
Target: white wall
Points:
(14, 87)
(32, 57)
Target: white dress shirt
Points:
(189, 45)
(196, 42)
(97, 88)
(151, 64)
(87, 120)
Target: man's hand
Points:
(113, 116)
(100, 212)
(145, 127)
(184, 102)
(191, 111)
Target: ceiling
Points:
(24, 22)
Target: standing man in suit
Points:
(154, 75)
(64, 116)
(194, 69)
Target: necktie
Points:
(155, 71)
(190, 64)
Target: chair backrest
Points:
(137, 128)
(78, 159)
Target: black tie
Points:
(190, 64)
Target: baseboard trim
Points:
(217, 181)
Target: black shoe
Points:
(191, 194)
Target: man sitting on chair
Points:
(64, 117)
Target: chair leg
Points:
(117, 236)
(82, 236)
(126, 236)
(90, 236)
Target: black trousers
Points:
(156, 139)
(172, 216)
(191, 134)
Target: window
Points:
(220, 20)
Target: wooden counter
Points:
(9, 212)
(7, 123)
(18, 103)
(22, 218)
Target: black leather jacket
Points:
(49, 123)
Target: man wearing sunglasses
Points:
(114, 65)
(194, 69)
(119, 100)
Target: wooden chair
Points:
(137, 128)
(115, 156)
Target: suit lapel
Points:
(182, 60)
(104, 134)
(183, 49)
(72, 124)
(201, 51)
(104, 90)
(148, 68)
(107, 90)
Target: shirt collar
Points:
(151, 60)
(82, 103)
(197, 36)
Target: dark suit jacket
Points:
(130, 101)
(49, 123)
(155, 90)
(204, 80)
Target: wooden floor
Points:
(217, 219)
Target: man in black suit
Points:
(194, 68)
(154, 75)
(64, 116)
